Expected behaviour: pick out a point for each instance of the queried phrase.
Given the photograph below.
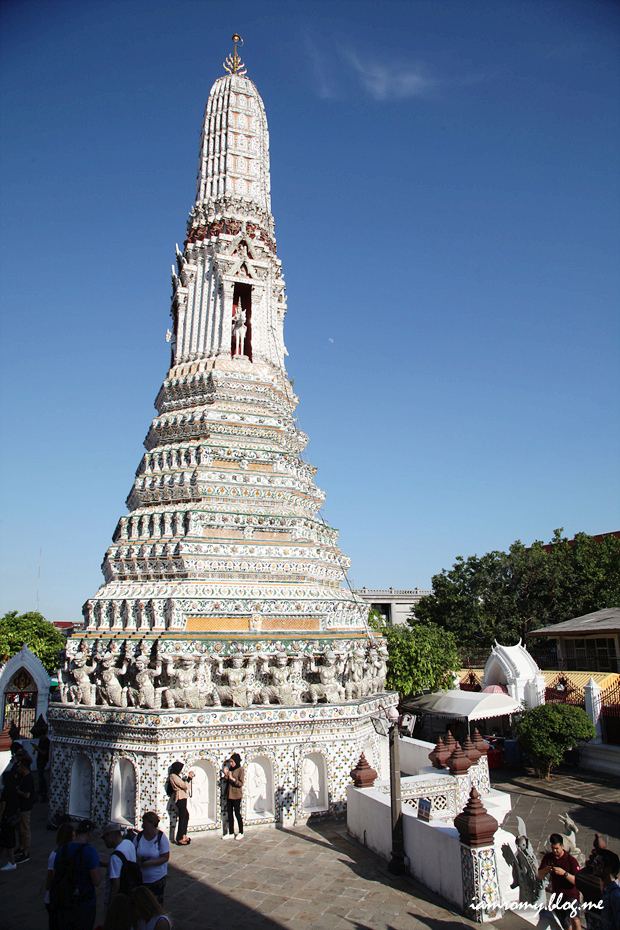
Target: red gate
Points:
(561, 691)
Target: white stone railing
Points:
(392, 592)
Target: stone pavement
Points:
(312, 877)
(569, 783)
(309, 878)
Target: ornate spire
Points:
(233, 63)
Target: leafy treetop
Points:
(504, 595)
(31, 628)
(421, 658)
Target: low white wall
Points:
(600, 757)
(433, 849)
(414, 755)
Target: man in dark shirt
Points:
(562, 868)
(25, 793)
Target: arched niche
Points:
(313, 784)
(81, 787)
(259, 791)
(123, 808)
(24, 690)
(202, 804)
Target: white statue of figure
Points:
(183, 690)
(378, 663)
(329, 689)
(145, 694)
(310, 784)
(359, 682)
(82, 690)
(239, 691)
(109, 688)
(256, 789)
(239, 329)
(570, 836)
(282, 688)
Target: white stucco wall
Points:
(433, 849)
(414, 755)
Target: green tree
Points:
(31, 628)
(420, 657)
(546, 732)
(505, 595)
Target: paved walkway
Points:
(314, 877)
(568, 783)
(310, 878)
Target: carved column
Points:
(481, 891)
(117, 615)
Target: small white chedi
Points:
(224, 621)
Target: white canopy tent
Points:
(466, 704)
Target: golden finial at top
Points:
(233, 63)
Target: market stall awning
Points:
(467, 704)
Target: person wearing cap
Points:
(81, 916)
(112, 835)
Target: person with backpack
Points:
(76, 876)
(152, 854)
(123, 871)
(64, 834)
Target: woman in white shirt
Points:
(147, 911)
(152, 854)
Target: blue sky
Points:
(445, 191)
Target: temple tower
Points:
(224, 621)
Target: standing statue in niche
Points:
(109, 688)
(310, 784)
(238, 691)
(144, 693)
(183, 690)
(329, 689)
(239, 329)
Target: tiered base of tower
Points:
(112, 764)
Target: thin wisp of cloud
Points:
(391, 82)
